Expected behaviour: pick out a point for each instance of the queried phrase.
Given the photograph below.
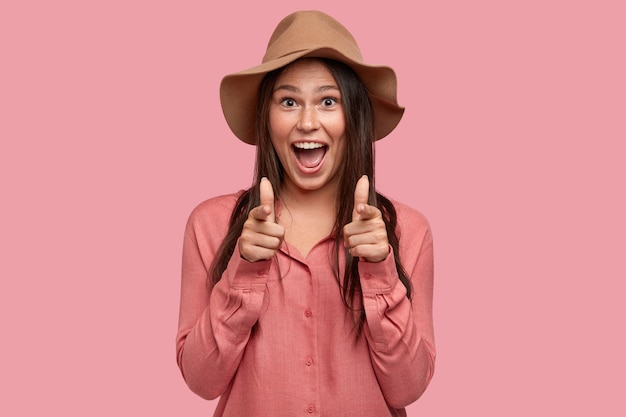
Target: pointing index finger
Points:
(361, 196)
(267, 199)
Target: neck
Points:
(308, 216)
(323, 200)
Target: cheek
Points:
(339, 133)
(338, 125)
(277, 136)
(278, 129)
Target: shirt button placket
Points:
(310, 363)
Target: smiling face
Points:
(307, 126)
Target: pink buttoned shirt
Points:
(304, 358)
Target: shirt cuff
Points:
(244, 274)
(378, 277)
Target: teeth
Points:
(308, 145)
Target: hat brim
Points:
(239, 92)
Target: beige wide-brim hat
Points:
(309, 34)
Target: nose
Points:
(308, 119)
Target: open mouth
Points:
(309, 154)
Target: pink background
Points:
(512, 144)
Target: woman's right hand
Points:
(261, 236)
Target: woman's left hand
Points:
(366, 235)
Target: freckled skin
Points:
(306, 106)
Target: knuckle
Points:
(274, 243)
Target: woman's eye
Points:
(288, 102)
(329, 102)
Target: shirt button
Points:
(308, 312)
(367, 275)
(310, 408)
(309, 361)
(261, 272)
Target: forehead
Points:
(305, 71)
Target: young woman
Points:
(309, 293)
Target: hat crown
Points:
(309, 30)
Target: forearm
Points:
(399, 332)
(215, 323)
(210, 352)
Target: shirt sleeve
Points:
(215, 322)
(399, 331)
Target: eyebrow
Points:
(294, 89)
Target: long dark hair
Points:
(359, 160)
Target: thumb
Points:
(267, 197)
(361, 196)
